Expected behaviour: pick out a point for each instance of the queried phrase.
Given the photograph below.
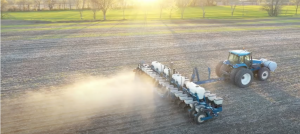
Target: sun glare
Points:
(149, 1)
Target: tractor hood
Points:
(255, 61)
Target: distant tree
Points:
(225, 2)
(79, 6)
(193, 3)
(202, 4)
(70, 4)
(254, 2)
(64, 2)
(51, 4)
(296, 3)
(82, 7)
(260, 1)
(162, 5)
(124, 4)
(104, 5)
(28, 3)
(37, 4)
(182, 4)
(172, 6)
(94, 7)
(83, 4)
(4, 5)
(210, 2)
(59, 4)
(233, 4)
(273, 7)
(21, 4)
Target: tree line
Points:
(272, 7)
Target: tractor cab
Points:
(239, 58)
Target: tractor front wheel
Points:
(243, 77)
(218, 69)
(263, 73)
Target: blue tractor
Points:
(240, 68)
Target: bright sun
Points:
(149, 1)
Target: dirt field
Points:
(80, 76)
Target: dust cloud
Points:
(58, 107)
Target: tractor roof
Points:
(239, 52)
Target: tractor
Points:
(240, 68)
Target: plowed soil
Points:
(50, 74)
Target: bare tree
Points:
(232, 6)
(172, 6)
(225, 2)
(77, 4)
(182, 4)
(273, 7)
(64, 2)
(210, 2)
(296, 3)
(78, 7)
(259, 2)
(254, 2)
(162, 5)
(37, 4)
(104, 5)
(10, 5)
(124, 4)
(202, 5)
(21, 4)
(83, 4)
(70, 4)
(243, 8)
(28, 3)
(193, 3)
(51, 4)
(4, 5)
(94, 7)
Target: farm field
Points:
(77, 77)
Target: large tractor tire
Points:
(198, 117)
(263, 73)
(192, 112)
(225, 68)
(243, 77)
(218, 69)
(233, 74)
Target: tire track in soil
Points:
(245, 109)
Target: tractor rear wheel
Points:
(198, 117)
(233, 74)
(243, 77)
(218, 69)
(263, 74)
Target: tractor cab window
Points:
(233, 58)
(245, 59)
(242, 59)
